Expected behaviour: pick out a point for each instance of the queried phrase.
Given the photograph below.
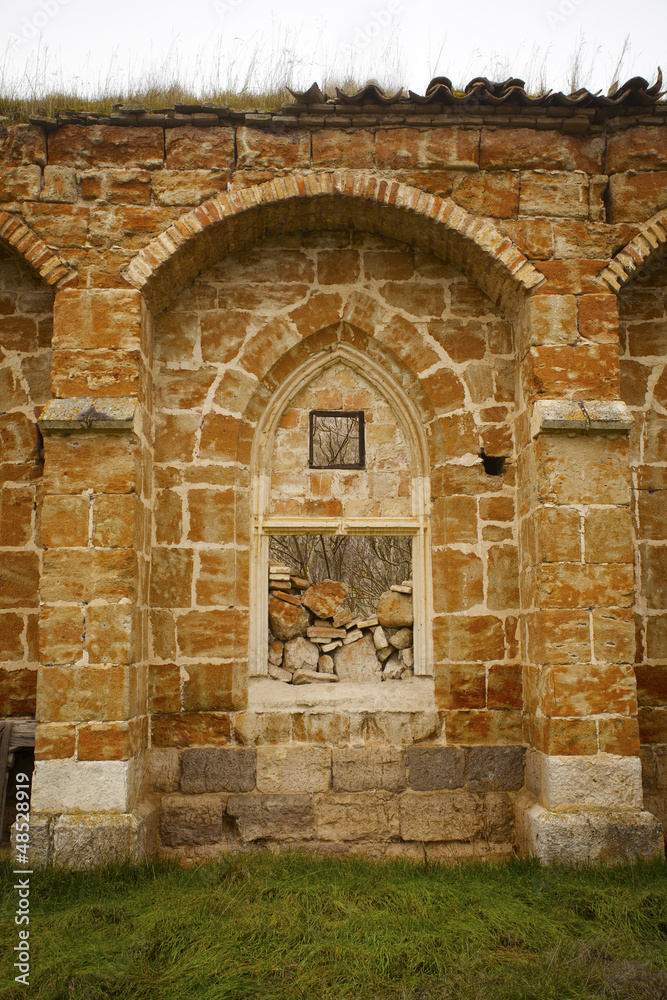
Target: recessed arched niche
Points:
(341, 492)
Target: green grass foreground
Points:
(293, 926)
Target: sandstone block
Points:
(20, 183)
(458, 580)
(171, 578)
(357, 769)
(276, 653)
(286, 621)
(435, 768)
(433, 149)
(588, 469)
(608, 535)
(635, 197)
(208, 687)
(191, 819)
(210, 633)
(272, 817)
(279, 674)
(350, 816)
(552, 319)
(188, 187)
(325, 664)
(102, 462)
(469, 638)
(494, 769)
(393, 668)
(300, 654)
(395, 610)
(357, 661)
(294, 768)
(107, 146)
(163, 770)
(325, 598)
(554, 193)
(441, 816)
(189, 147)
(526, 149)
(401, 639)
(219, 769)
(97, 318)
(59, 184)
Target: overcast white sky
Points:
(218, 43)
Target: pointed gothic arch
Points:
(417, 525)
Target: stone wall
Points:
(26, 328)
(643, 328)
(468, 268)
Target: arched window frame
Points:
(417, 524)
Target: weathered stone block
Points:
(59, 184)
(191, 819)
(441, 816)
(435, 768)
(272, 817)
(223, 769)
(365, 768)
(554, 193)
(350, 816)
(293, 768)
(494, 769)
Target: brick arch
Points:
(22, 241)
(338, 199)
(649, 244)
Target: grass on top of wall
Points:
(264, 927)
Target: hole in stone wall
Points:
(336, 440)
(493, 465)
(340, 608)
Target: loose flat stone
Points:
(399, 588)
(312, 677)
(326, 633)
(280, 569)
(300, 583)
(290, 598)
(328, 646)
(279, 674)
(353, 636)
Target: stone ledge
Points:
(89, 413)
(581, 416)
(607, 836)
